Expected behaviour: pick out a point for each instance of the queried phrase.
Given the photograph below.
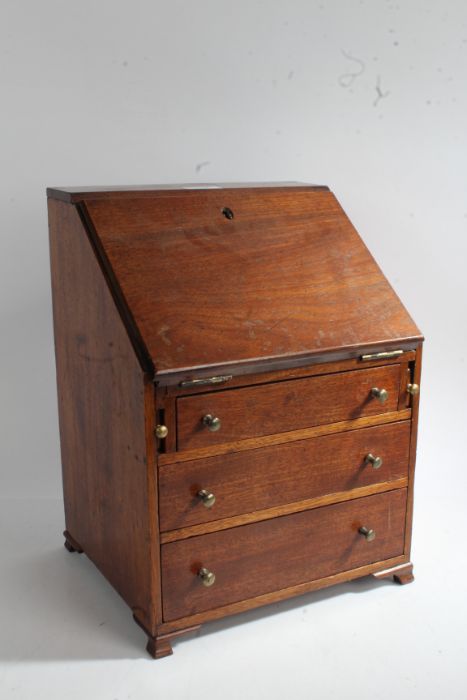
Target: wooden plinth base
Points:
(401, 574)
(161, 645)
(71, 544)
(158, 647)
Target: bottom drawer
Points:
(270, 555)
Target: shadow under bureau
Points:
(238, 392)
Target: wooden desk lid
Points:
(287, 278)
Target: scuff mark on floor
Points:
(202, 165)
(379, 93)
(346, 79)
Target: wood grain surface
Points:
(285, 509)
(281, 594)
(292, 372)
(285, 406)
(269, 283)
(254, 559)
(79, 194)
(287, 276)
(280, 438)
(248, 481)
(103, 398)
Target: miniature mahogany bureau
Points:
(238, 397)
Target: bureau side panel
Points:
(104, 400)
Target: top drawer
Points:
(237, 414)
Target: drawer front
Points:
(270, 555)
(284, 406)
(251, 480)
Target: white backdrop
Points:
(368, 97)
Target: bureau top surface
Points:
(215, 276)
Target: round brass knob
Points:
(375, 462)
(208, 499)
(368, 533)
(161, 431)
(212, 422)
(380, 394)
(413, 389)
(207, 577)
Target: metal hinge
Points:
(381, 355)
(206, 382)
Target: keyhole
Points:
(228, 213)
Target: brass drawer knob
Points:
(367, 533)
(375, 462)
(413, 389)
(208, 499)
(380, 394)
(212, 422)
(161, 431)
(207, 577)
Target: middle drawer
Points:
(251, 480)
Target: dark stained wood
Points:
(404, 576)
(155, 285)
(71, 544)
(401, 574)
(102, 410)
(152, 534)
(255, 559)
(243, 482)
(158, 647)
(285, 509)
(404, 396)
(285, 406)
(114, 286)
(415, 403)
(78, 194)
(287, 277)
(166, 415)
(161, 645)
(277, 596)
(269, 365)
(281, 438)
(290, 373)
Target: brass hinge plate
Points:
(208, 381)
(389, 355)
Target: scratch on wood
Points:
(162, 332)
